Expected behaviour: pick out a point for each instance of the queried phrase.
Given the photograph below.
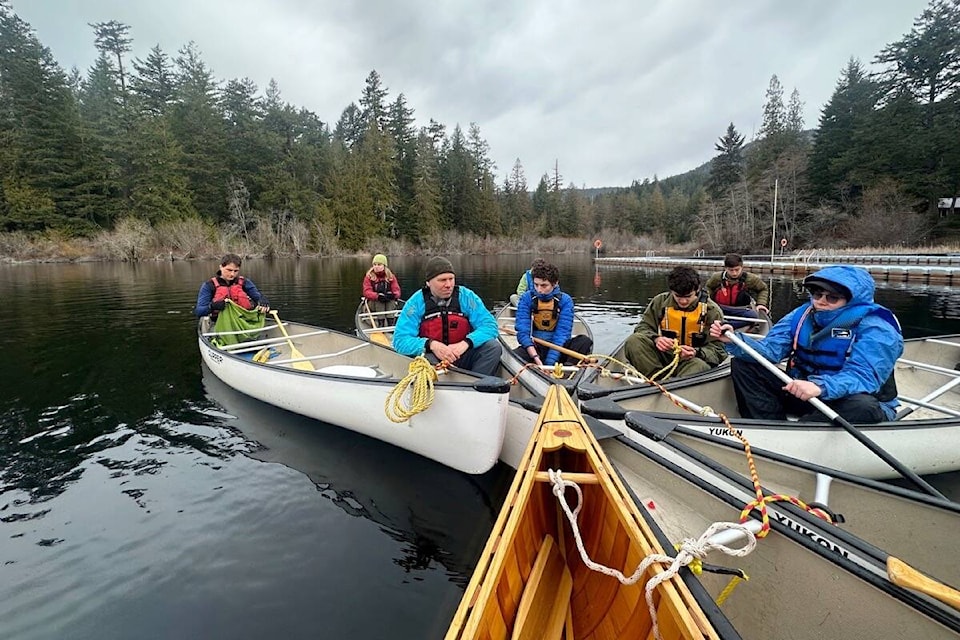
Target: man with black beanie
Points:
(447, 322)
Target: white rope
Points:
(689, 548)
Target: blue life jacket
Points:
(819, 350)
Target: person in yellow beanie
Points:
(381, 290)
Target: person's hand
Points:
(218, 305)
(446, 352)
(382, 297)
(763, 308)
(664, 343)
(803, 389)
(263, 308)
(687, 352)
(390, 295)
(718, 330)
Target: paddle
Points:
(375, 336)
(294, 353)
(902, 574)
(836, 418)
(564, 350)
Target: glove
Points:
(382, 297)
(219, 305)
(390, 295)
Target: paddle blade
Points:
(380, 338)
(302, 365)
(902, 574)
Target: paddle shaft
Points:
(564, 350)
(294, 352)
(555, 347)
(836, 418)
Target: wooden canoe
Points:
(925, 437)
(530, 581)
(537, 379)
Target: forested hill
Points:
(161, 145)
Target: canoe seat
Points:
(546, 596)
(354, 371)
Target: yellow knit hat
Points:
(380, 259)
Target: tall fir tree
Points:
(726, 168)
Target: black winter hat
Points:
(437, 265)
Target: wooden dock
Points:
(913, 269)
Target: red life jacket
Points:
(445, 324)
(234, 291)
(732, 293)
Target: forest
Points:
(157, 155)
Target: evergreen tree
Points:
(373, 102)
(425, 208)
(154, 83)
(160, 191)
(834, 155)
(726, 168)
(112, 38)
(199, 128)
(350, 126)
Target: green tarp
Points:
(236, 318)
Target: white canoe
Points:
(615, 373)
(925, 438)
(537, 379)
(348, 383)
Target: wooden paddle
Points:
(836, 418)
(375, 336)
(564, 350)
(902, 574)
(294, 353)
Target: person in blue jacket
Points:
(447, 322)
(840, 347)
(228, 284)
(546, 312)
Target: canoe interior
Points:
(793, 591)
(530, 581)
(570, 375)
(927, 367)
(904, 523)
(328, 351)
(376, 326)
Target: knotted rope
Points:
(687, 552)
(419, 381)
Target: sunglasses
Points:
(832, 298)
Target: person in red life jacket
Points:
(546, 312)
(448, 322)
(733, 288)
(841, 347)
(381, 289)
(228, 284)
(680, 317)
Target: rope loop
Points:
(688, 550)
(420, 379)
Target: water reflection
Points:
(437, 514)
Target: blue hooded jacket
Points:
(560, 334)
(877, 339)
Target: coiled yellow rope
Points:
(419, 381)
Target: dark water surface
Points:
(141, 498)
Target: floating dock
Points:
(914, 269)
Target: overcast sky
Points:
(613, 90)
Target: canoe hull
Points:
(531, 582)
(924, 443)
(463, 427)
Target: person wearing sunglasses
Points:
(840, 346)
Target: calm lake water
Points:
(140, 497)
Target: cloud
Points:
(612, 91)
